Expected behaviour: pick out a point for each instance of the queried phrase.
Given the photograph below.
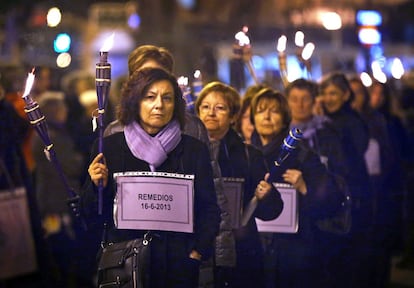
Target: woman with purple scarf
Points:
(152, 111)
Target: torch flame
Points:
(308, 51)
(397, 68)
(108, 43)
(377, 72)
(281, 44)
(299, 38)
(242, 38)
(182, 81)
(197, 74)
(365, 79)
(29, 83)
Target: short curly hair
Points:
(231, 96)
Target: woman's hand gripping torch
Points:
(306, 58)
(289, 144)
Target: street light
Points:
(332, 21)
(62, 43)
(53, 17)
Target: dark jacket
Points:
(294, 259)
(238, 160)
(12, 131)
(170, 250)
(355, 139)
(51, 191)
(321, 200)
(320, 135)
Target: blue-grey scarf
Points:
(152, 149)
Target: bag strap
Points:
(143, 259)
(3, 170)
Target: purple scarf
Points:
(150, 149)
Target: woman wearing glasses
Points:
(239, 256)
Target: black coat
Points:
(320, 135)
(170, 250)
(293, 259)
(50, 190)
(13, 129)
(238, 160)
(355, 138)
(322, 198)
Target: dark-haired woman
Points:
(152, 112)
(356, 251)
(293, 259)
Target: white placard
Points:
(154, 201)
(233, 190)
(287, 222)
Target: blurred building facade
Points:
(200, 33)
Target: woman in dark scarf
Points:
(293, 260)
(238, 255)
(152, 112)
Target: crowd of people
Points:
(351, 173)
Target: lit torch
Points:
(197, 83)
(289, 144)
(38, 120)
(281, 48)
(300, 43)
(306, 57)
(243, 50)
(186, 91)
(103, 84)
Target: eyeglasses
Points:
(218, 108)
